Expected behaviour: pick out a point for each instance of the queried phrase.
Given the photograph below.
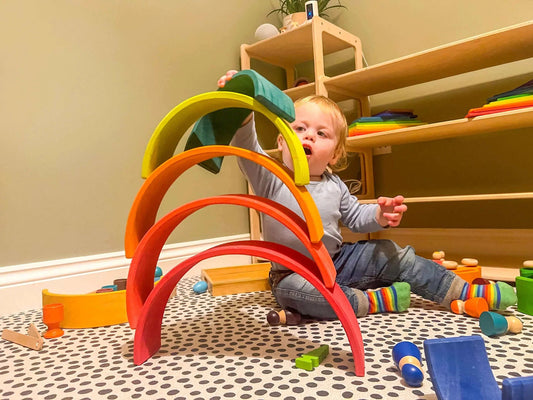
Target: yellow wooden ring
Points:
(170, 130)
(90, 310)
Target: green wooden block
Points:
(218, 127)
(524, 293)
(304, 363)
(314, 359)
(526, 272)
(321, 353)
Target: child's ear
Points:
(335, 158)
(280, 142)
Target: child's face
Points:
(316, 131)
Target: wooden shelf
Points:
(465, 197)
(295, 46)
(502, 46)
(503, 121)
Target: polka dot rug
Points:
(223, 348)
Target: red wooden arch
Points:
(147, 339)
(143, 265)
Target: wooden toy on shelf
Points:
(473, 306)
(33, 340)
(408, 360)
(494, 324)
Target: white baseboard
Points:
(21, 285)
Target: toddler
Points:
(375, 275)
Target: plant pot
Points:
(292, 21)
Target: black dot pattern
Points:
(223, 348)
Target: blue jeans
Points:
(369, 265)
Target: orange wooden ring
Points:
(144, 209)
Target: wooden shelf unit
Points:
(498, 47)
(311, 41)
(307, 42)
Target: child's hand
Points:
(390, 211)
(222, 82)
(225, 78)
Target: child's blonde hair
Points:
(341, 126)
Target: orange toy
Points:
(473, 307)
(52, 317)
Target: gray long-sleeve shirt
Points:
(331, 195)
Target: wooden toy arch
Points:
(146, 204)
(147, 339)
(143, 265)
(167, 134)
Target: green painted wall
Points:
(84, 83)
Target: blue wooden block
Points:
(460, 369)
(520, 388)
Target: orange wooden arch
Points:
(147, 339)
(143, 265)
(144, 209)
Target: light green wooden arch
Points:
(170, 130)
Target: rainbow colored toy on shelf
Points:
(384, 121)
(515, 99)
(221, 113)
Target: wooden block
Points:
(239, 279)
(468, 273)
(32, 340)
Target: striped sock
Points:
(389, 299)
(499, 295)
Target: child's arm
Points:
(390, 210)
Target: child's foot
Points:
(499, 295)
(395, 298)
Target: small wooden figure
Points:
(494, 324)
(283, 317)
(52, 317)
(408, 359)
(473, 307)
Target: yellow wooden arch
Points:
(170, 130)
